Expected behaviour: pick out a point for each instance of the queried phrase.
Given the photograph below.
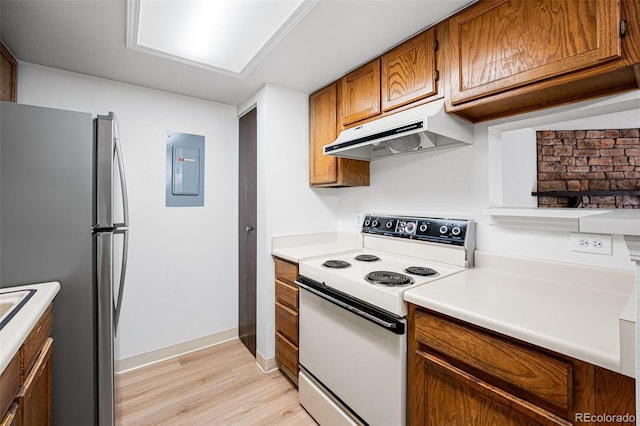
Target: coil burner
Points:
(336, 264)
(421, 270)
(388, 278)
(367, 258)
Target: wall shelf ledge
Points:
(597, 221)
(546, 218)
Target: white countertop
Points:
(572, 309)
(295, 247)
(16, 331)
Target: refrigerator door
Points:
(112, 205)
(46, 176)
(112, 240)
(104, 271)
(111, 250)
(121, 251)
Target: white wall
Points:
(286, 204)
(182, 276)
(176, 253)
(463, 181)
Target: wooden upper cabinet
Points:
(360, 92)
(409, 71)
(325, 170)
(8, 74)
(499, 45)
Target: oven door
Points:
(352, 356)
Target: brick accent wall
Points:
(589, 160)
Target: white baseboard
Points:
(267, 365)
(162, 354)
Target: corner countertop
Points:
(16, 331)
(295, 247)
(572, 309)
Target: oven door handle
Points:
(394, 327)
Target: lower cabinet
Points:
(453, 396)
(460, 374)
(13, 416)
(34, 398)
(26, 382)
(286, 315)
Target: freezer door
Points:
(112, 206)
(111, 249)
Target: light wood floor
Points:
(221, 385)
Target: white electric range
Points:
(352, 315)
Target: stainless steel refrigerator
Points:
(63, 217)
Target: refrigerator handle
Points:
(123, 273)
(117, 147)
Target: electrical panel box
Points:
(185, 170)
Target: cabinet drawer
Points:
(286, 271)
(455, 394)
(287, 354)
(287, 294)
(287, 322)
(9, 383)
(36, 340)
(545, 380)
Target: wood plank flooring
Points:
(221, 385)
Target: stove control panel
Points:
(446, 231)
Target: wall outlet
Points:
(359, 219)
(591, 243)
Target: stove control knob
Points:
(375, 223)
(411, 227)
(424, 227)
(389, 224)
(456, 231)
(443, 230)
(367, 222)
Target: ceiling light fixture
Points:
(227, 36)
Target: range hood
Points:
(425, 127)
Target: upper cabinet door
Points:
(323, 169)
(409, 71)
(360, 95)
(9, 73)
(498, 45)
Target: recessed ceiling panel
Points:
(230, 36)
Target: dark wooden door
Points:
(247, 231)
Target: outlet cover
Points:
(591, 243)
(359, 219)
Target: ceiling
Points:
(334, 37)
